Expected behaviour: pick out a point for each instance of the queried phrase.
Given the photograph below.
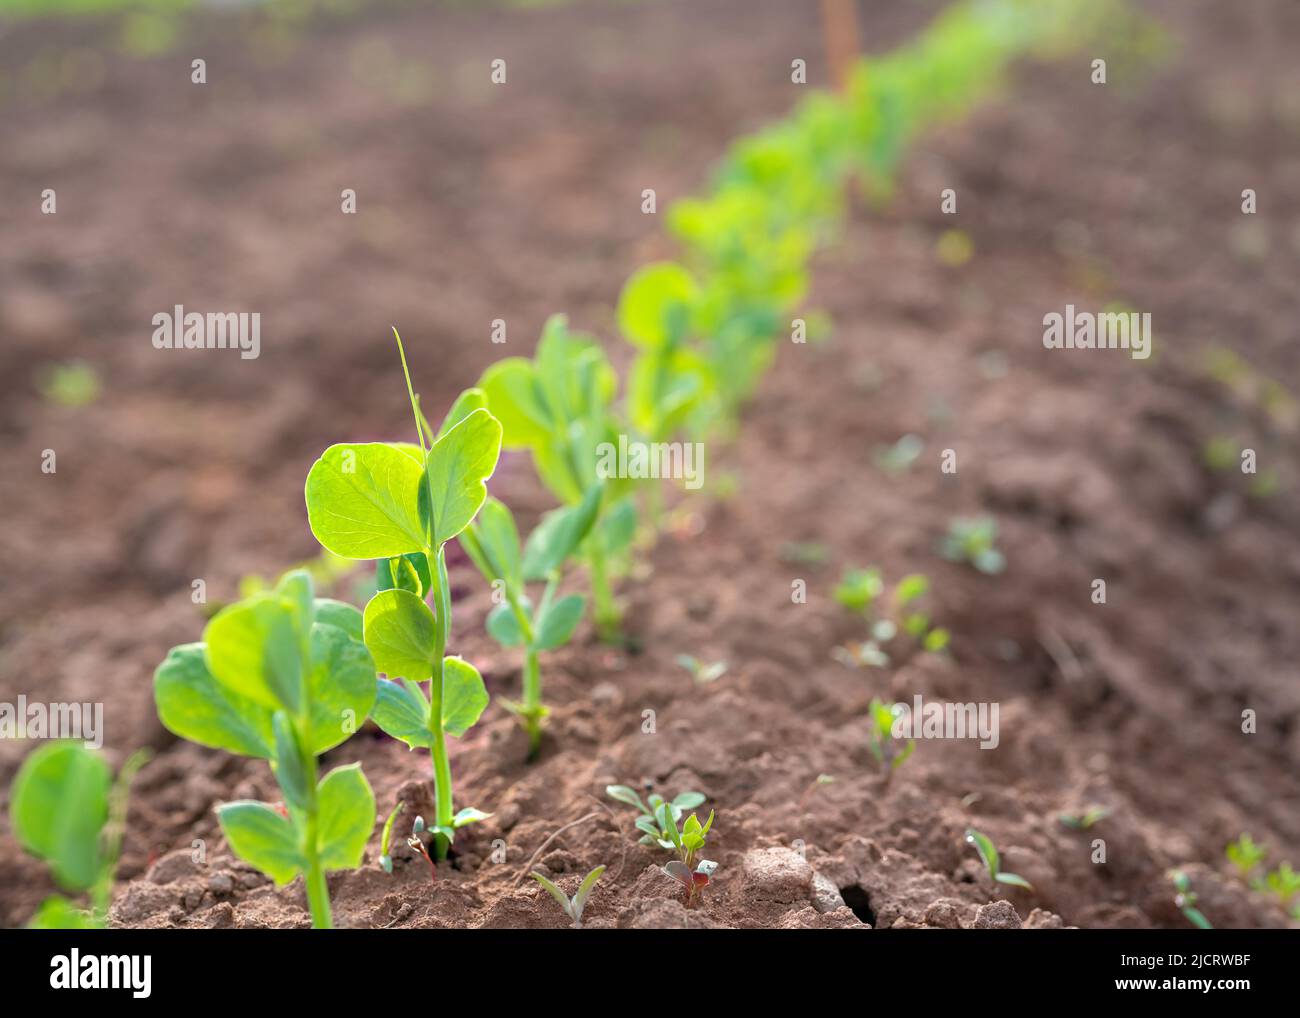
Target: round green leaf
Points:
(561, 619)
(464, 697)
(459, 464)
(655, 303)
(402, 712)
(347, 817)
(57, 808)
(515, 399)
(361, 501)
(399, 630)
(253, 650)
(341, 687)
(194, 705)
(263, 838)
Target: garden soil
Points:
(478, 202)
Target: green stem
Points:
(532, 706)
(318, 892)
(441, 766)
(605, 609)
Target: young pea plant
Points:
(492, 543)
(559, 406)
(989, 856)
(971, 539)
(284, 676)
(687, 841)
(403, 503)
(671, 385)
(890, 752)
(66, 808)
(648, 822)
(861, 592)
(573, 907)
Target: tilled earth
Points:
(479, 202)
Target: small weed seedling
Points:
(890, 752)
(1283, 883)
(492, 543)
(652, 831)
(687, 841)
(573, 907)
(402, 503)
(65, 807)
(386, 839)
(701, 672)
(972, 540)
(1185, 900)
(1084, 821)
(989, 856)
(861, 592)
(284, 676)
(1245, 855)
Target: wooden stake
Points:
(840, 31)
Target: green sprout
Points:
(972, 540)
(492, 543)
(573, 907)
(385, 856)
(284, 676)
(653, 831)
(861, 592)
(1185, 900)
(1282, 883)
(1245, 854)
(687, 841)
(899, 457)
(1084, 821)
(402, 503)
(989, 856)
(889, 754)
(703, 673)
(70, 384)
(66, 808)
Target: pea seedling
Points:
(492, 543)
(989, 856)
(573, 907)
(972, 540)
(65, 807)
(282, 675)
(653, 832)
(559, 406)
(403, 503)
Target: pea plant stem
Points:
(441, 767)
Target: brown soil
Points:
(478, 203)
